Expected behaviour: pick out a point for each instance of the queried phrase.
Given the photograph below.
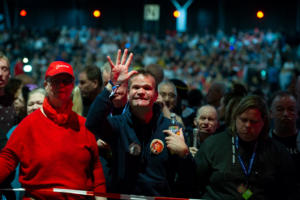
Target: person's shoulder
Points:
(219, 137)
(217, 142)
(274, 144)
(30, 121)
(35, 115)
(80, 117)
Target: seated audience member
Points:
(243, 162)
(45, 143)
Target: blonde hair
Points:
(4, 57)
(77, 101)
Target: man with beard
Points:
(90, 84)
(284, 116)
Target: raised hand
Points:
(119, 69)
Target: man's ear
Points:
(95, 83)
(195, 122)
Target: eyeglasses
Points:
(170, 95)
(66, 81)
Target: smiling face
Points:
(142, 91)
(249, 124)
(59, 87)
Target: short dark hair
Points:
(251, 102)
(144, 73)
(281, 93)
(157, 71)
(93, 73)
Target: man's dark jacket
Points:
(145, 173)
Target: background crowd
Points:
(202, 78)
(259, 58)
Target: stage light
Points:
(96, 13)
(25, 60)
(176, 14)
(259, 14)
(23, 13)
(27, 68)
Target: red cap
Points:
(59, 67)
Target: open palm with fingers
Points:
(119, 69)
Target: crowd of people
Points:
(234, 99)
(261, 59)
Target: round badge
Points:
(156, 146)
(134, 149)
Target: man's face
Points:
(35, 101)
(142, 91)
(59, 87)
(284, 111)
(168, 95)
(85, 85)
(207, 120)
(249, 124)
(19, 102)
(4, 73)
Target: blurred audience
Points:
(90, 85)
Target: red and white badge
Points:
(156, 146)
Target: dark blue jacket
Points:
(146, 173)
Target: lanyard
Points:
(247, 172)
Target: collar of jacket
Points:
(157, 117)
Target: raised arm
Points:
(98, 120)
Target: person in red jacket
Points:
(53, 146)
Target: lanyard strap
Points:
(247, 172)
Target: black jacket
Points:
(272, 175)
(145, 173)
